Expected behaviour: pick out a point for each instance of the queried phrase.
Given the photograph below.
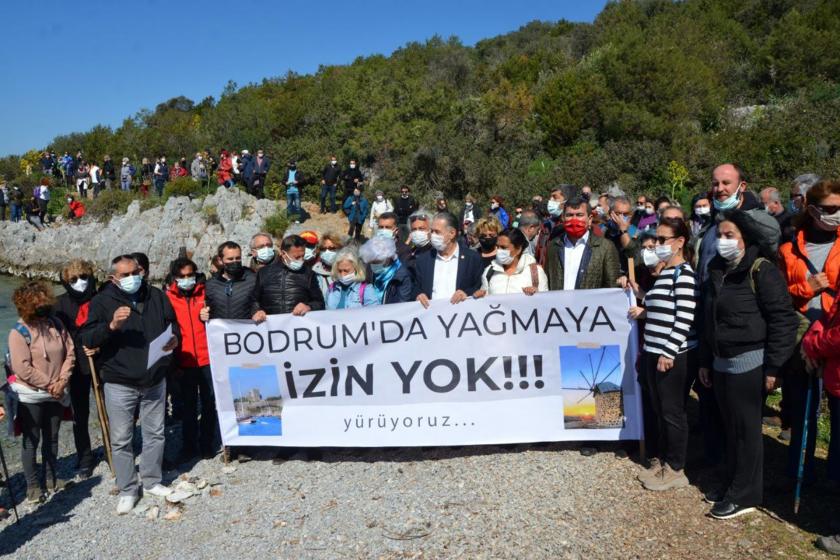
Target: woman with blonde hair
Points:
(348, 288)
(487, 231)
(328, 248)
(42, 359)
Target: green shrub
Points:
(185, 186)
(211, 216)
(276, 224)
(109, 203)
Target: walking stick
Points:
(8, 484)
(800, 474)
(103, 414)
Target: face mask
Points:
(378, 269)
(265, 254)
(186, 284)
(385, 233)
(494, 206)
(729, 203)
(554, 208)
(69, 200)
(487, 243)
(825, 222)
(308, 254)
(404, 195)
(649, 211)
(294, 265)
(130, 284)
(438, 242)
(80, 285)
(640, 208)
(379, 198)
(663, 252)
(333, 162)
(702, 211)
(328, 257)
(234, 269)
(600, 211)
(347, 279)
(649, 257)
(575, 227)
(419, 238)
(503, 257)
(728, 248)
(468, 205)
(352, 166)
(43, 311)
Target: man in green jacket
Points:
(578, 259)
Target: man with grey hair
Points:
(262, 250)
(772, 201)
(531, 226)
(123, 320)
(801, 185)
(450, 270)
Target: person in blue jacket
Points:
(497, 210)
(356, 207)
(348, 288)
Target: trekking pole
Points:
(800, 474)
(8, 484)
(103, 414)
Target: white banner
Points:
(504, 369)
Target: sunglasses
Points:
(74, 279)
(662, 240)
(825, 209)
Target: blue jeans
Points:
(125, 183)
(328, 190)
(17, 212)
(292, 203)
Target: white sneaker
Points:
(126, 504)
(158, 490)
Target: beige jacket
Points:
(49, 357)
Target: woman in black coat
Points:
(748, 332)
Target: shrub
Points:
(185, 186)
(211, 216)
(276, 224)
(109, 203)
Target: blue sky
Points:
(72, 65)
(263, 378)
(574, 360)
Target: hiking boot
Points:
(728, 510)
(666, 479)
(34, 495)
(830, 544)
(650, 472)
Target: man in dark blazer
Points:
(451, 270)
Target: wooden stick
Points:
(631, 269)
(103, 414)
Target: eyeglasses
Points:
(74, 279)
(661, 240)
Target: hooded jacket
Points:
(192, 352)
(124, 352)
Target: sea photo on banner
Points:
(550, 367)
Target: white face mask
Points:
(438, 242)
(663, 252)
(379, 198)
(703, 210)
(333, 162)
(186, 283)
(494, 205)
(308, 254)
(649, 257)
(352, 166)
(503, 257)
(420, 238)
(640, 207)
(728, 248)
(649, 211)
(80, 285)
(825, 222)
(328, 257)
(347, 279)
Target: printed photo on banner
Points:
(591, 376)
(257, 400)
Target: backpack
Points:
(804, 323)
(27, 336)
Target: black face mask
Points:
(487, 243)
(234, 269)
(43, 311)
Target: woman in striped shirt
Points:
(669, 337)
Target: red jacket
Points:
(77, 209)
(224, 170)
(822, 343)
(193, 351)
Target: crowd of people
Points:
(735, 297)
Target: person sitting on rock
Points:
(75, 208)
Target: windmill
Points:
(607, 395)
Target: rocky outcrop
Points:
(198, 225)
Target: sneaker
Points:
(126, 504)
(158, 490)
(666, 479)
(650, 472)
(34, 495)
(728, 510)
(58, 484)
(243, 458)
(830, 544)
(714, 496)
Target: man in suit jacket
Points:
(578, 260)
(451, 270)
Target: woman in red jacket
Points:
(225, 170)
(186, 293)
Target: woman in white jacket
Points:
(513, 271)
(380, 206)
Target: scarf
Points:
(381, 281)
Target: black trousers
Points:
(199, 434)
(39, 422)
(80, 400)
(355, 230)
(741, 400)
(668, 393)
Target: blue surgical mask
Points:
(308, 254)
(130, 284)
(729, 203)
(295, 265)
(378, 268)
(328, 257)
(186, 284)
(554, 208)
(265, 254)
(385, 233)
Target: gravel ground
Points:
(472, 502)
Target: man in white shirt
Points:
(577, 259)
(95, 178)
(451, 270)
